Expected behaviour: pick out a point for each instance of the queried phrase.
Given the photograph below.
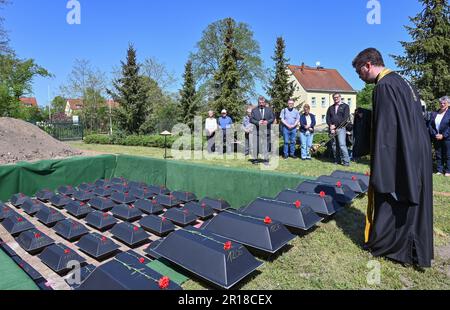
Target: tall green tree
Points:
(4, 39)
(364, 97)
(16, 80)
(427, 56)
(280, 89)
(188, 101)
(210, 49)
(228, 91)
(58, 105)
(131, 94)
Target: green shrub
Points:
(97, 139)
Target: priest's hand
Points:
(439, 137)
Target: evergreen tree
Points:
(227, 81)
(131, 94)
(280, 89)
(188, 101)
(364, 97)
(427, 57)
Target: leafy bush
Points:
(132, 140)
(98, 139)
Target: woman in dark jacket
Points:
(307, 124)
(440, 134)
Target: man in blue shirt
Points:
(225, 123)
(290, 119)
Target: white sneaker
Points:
(438, 173)
(447, 174)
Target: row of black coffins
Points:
(221, 251)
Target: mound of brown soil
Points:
(22, 141)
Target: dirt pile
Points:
(22, 141)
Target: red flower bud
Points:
(66, 251)
(82, 203)
(104, 238)
(105, 214)
(339, 184)
(354, 178)
(37, 235)
(164, 283)
(20, 219)
(203, 205)
(268, 220)
(322, 194)
(227, 246)
(163, 219)
(142, 260)
(154, 202)
(135, 228)
(298, 204)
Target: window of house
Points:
(324, 120)
(313, 102)
(324, 102)
(349, 102)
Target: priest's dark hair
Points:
(371, 55)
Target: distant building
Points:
(28, 102)
(76, 105)
(316, 86)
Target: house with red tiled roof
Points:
(29, 102)
(316, 86)
(74, 106)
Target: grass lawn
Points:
(331, 256)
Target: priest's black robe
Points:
(399, 222)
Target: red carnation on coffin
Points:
(142, 260)
(82, 203)
(66, 251)
(103, 238)
(322, 194)
(37, 235)
(135, 228)
(339, 184)
(268, 220)
(105, 214)
(20, 219)
(298, 204)
(203, 205)
(227, 246)
(353, 178)
(164, 283)
(163, 219)
(154, 202)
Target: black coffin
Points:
(134, 184)
(58, 256)
(118, 180)
(158, 190)
(354, 184)
(140, 193)
(126, 273)
(97, 246)
(87, 187)
(70, 230)
(365, 178)
(211, 257)
(102, 183)
(44, 195)
(101, 204)
(7, 249)
(129, 234)
(121, 188)
(344, 195)
(122, 197)
(30, 271)
(49, 217)
(168, 201)
(126, 213)
(15, 224)
(78, 209)
(184, 196)
(216, 204)
(100, 220)
(159, 226)
(33, 241)
(18, 199)
(289, 214)
(320, 203)
(85, 271)
(60, 201)
(103, 191)
(5, 212)
(259, 233)
(149, 206)
(83, 196)
(32, 206)
(66, 190)
(181, 217)
(199, 209)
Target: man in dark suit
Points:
(337, 116)
(262, 117)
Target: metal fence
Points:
(64, 131)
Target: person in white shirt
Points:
(210, 130)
